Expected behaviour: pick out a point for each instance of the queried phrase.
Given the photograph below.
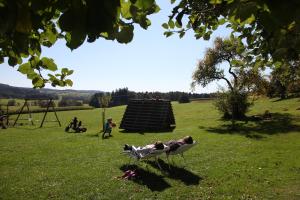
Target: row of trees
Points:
(123, 95)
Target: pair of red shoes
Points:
(129, 174)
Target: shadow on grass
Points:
(178, 173)
(153, 181)
(278, 123)
(153, 131)
(94, 135)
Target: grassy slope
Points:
(257, 161)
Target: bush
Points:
(233, 104)
(44, 103)
(184, 98)
(94, 101)
(12, 102)
(66, 103)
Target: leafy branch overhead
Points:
(270, 28)
(27, 25)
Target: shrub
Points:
(12, 102)
(94, 101)
(44, 103)
(69, 102)
(233, 104)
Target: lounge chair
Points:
(180, 150)
(136, 154)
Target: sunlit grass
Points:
(258, 160)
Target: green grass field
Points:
(257, 160)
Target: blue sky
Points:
(151, 62)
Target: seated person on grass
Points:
(76, 126)
(79, 129)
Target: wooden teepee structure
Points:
(148, 115)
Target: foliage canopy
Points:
(270, 28)
(27, 25)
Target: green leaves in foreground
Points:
(35, 67)
(270, 28)
(27, 25)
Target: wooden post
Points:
(103, 119)
(20, 112)
(30, 116)
(48, 105)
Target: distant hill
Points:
(7, 91)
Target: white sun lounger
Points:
(180, 150)
(138, 155)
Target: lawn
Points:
(257, 160)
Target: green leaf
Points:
(171, 24)
(206, 36)
(245, 11)
(177, 25)
(12, 61)
(215, 1)
(25, 68)
(77, 38)
(126, 34)
(168, 33)
(38, 82)
(48, 37)
(34, 61)
(181, 34)
(277, 64)
(32, 75)
(179, 18)
(69, 82)
(145, 4)
(125, 9)
(48, 63)
(66, 21)
(64, 70)
(70, 72)
(165, 26)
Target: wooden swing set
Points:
(26, 105)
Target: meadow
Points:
(259, 159)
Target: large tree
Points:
(269, 27)
(242, 76)
(28, 25)
(232, 51)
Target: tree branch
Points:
(228, 82)
(232, 73)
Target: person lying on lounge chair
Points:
(175, 144)
(142, 151)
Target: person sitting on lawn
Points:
(79, 128)
(142, 151)
(175, 144)
(76, 126)
(108, 127)
(74, 123)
